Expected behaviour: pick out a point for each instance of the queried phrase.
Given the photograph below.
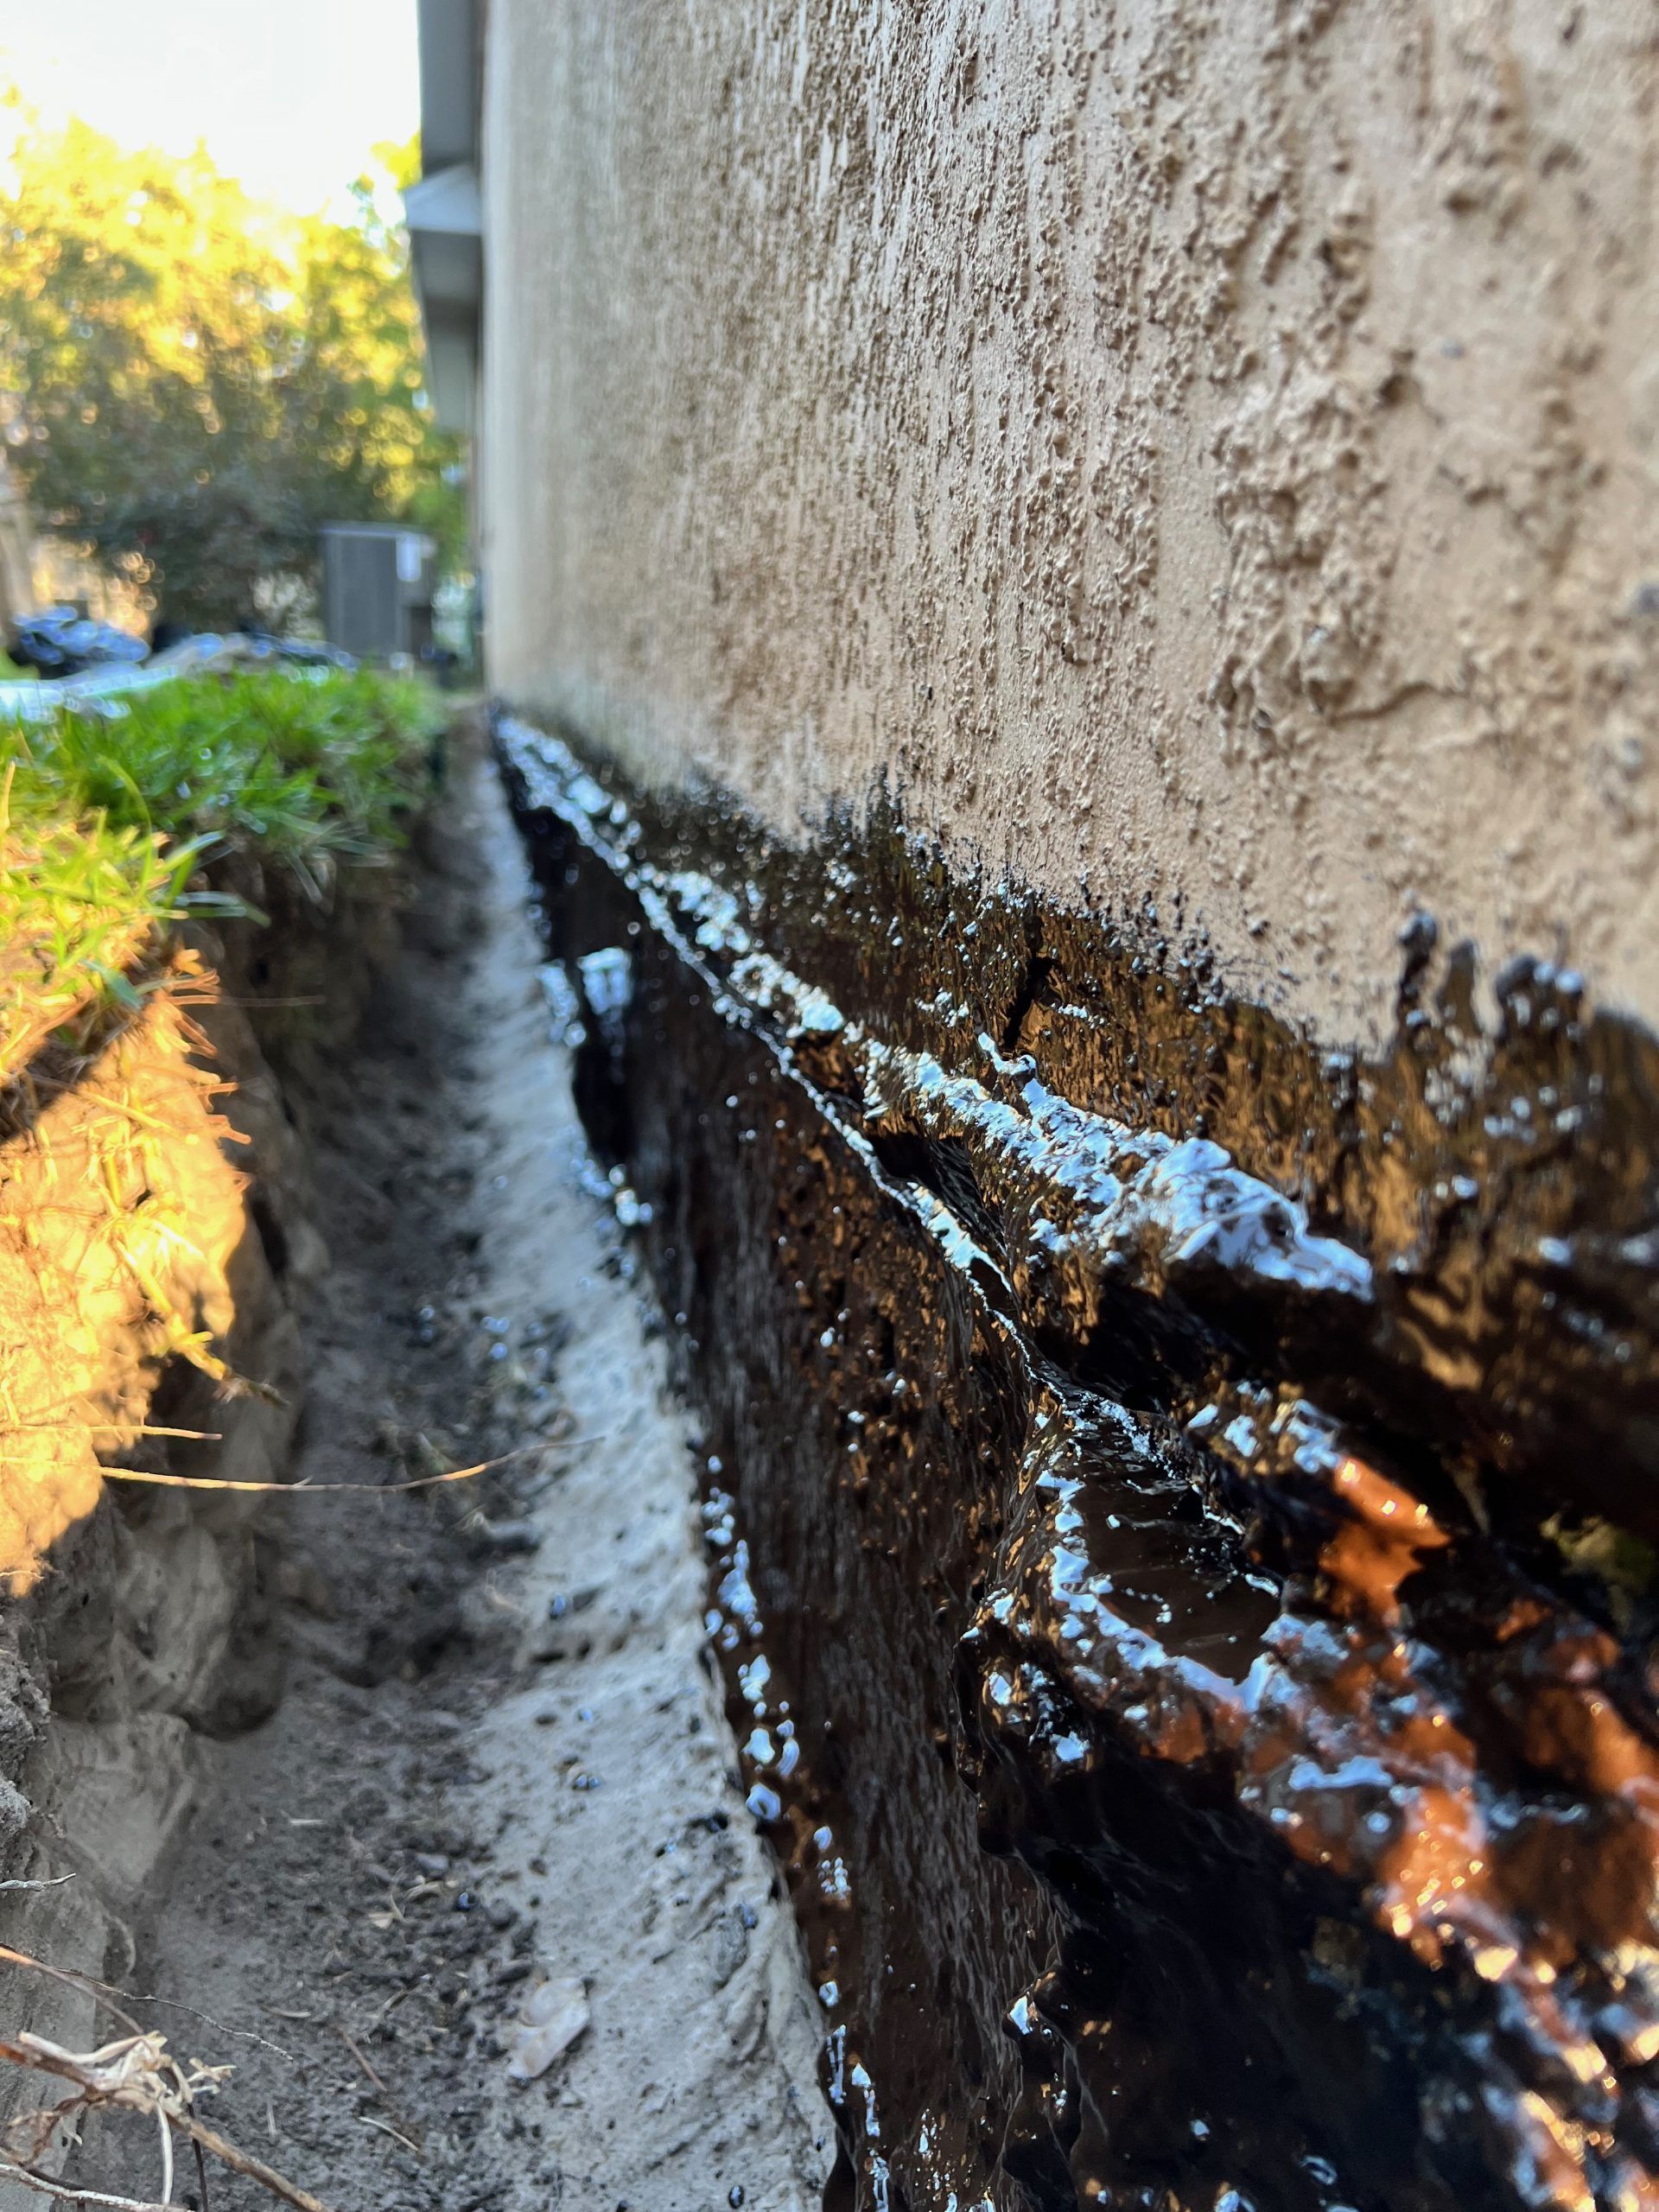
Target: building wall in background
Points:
(1188, 448)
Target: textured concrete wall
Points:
(1205, 449)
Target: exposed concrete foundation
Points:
(1206, 1722)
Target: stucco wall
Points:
(1205, 449)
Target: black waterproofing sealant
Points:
(1179, 1504)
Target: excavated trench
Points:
(1183, 1512)
(415, 1807)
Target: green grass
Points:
(107, 820)
(307, 770)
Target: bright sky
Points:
(290, 94)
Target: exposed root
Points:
(136, 2074)
(319, 1490)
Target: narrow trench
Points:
(499, 1764)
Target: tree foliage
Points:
(191, 384)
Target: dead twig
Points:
(105, 1991)
(223, 998)
(386, 2129)
(403, 2125)
(243, 2162)
(138, 2073)
(166, 2157)
(195, 2012)
(357, 2053)
(66, 2193)
(102, 1992)
(131, 1428)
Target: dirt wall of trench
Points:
(1199, 452)
(158, 1237)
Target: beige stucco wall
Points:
(1203, 446)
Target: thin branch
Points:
(66, 2193)
(404, 2129)
(129, 1428)
(359, 2054)
(195, 2012)
(244, 2162)
(385, 2127)
(139, 2076)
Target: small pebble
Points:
(563, 1602)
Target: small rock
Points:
(562, 1603)
(554, 2015)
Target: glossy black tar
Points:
(1179, 1505)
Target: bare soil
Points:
(500, 1762)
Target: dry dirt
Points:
(501, 1759)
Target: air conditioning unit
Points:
(378, 580)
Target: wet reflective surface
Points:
(1178, 1508)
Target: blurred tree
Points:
(357, 382)
(190, 383)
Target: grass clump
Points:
(305, 769)
(109, 813)
(81, 905)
